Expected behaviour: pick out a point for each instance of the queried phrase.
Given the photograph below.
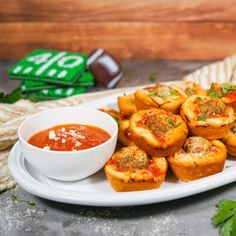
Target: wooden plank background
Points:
(134, 29)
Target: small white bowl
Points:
(68, 165)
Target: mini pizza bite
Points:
(127, 105)
(225, 92)
(199, 158)
(158, 132)
(124, 135)
(131, 169)
(229, 140)
(207, 117)
(167, 97)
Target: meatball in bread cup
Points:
(199, 158)
(230, 141)
(158, 132)
(130, 169)
(161, 96)
(207, 117)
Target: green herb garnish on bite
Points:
(225, 217)
(213, 94)
(171, 122)
(198, 99)
(202, 117)
(173, 92)
(228, 88)
(153, 93)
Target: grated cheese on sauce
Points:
(52, 135)
(77, 143)
(69, 137)
(63, 140)
(46, 148)
(63, 129)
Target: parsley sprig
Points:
(225, 217)
(173, 92)
(153, 93)
(152, 78)
(171, 122)
(10, 98)
(198, 99)
(16, 95)
(225, 89)
(15, 199)
(202, 117)
(228, 88)
(214, 94)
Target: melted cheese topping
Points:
(203, 110)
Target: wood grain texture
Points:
(116, 10)
(125, 40)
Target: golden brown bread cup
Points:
(230, 141)
(226, 92)
(127, 105)
(158, 132)
(124, 135)
(130, 169)
(199, 158)
(167, 97)
(207, 117)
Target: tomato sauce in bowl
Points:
(69, 137)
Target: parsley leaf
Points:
(12, 97)
(227, 227)
(198, 99)
(213, 94)
(16, 95)
(152, 78)
(15, 199)
(202, 117)
(173, 92)
(153, 93)
(228, 88)
(170, 121)
(225, 217)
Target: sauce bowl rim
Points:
(25, 142)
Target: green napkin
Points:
(86, 79)
(55, 67)
(49, 94)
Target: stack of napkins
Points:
(49, 74)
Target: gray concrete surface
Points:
(189, 216)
